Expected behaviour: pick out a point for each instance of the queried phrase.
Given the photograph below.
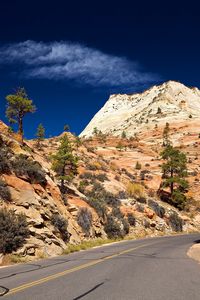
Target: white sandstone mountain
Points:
(168, 102)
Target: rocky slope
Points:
(168, 102)
(107, 179)
(108, 183)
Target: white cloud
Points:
(65, 60)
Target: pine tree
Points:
(40, 134)
(64, 162)
(66, 127)
(18, 105)
(95, 131)
(174, 173)
(159, 111)
(123, 135)
(166, 139)
(138, 166)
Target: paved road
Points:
(148, 269)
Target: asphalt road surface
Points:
(147, 269)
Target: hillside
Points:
(109, 197)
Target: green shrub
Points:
(111, 199)
(116, 212)
(99, 192)
(61, 224)
(126, 226)
(175, 222)
(87, 175)
(84, 219)
(32, 170)
(99, 206)
(112, 228)
(131, 219)
(4, 191)
(101, 177)
(159, 210)
(13, 231)
(4, 162)
(82, 185)
(138, 166)
(122, 195)
(93, 166)
(179, 200)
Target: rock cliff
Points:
(168, 102)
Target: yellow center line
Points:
(69, 271)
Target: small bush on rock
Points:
(159, 210)
(116, 212)
(98, 205)
(87, 175)
(126, 226)
(84, 219)
(112, 228)
(175, 222)
(101, 177)
(99, 192)
(131, 219)
(4, 191)
(4, 162)
(32, 170)
(61, 224)
(13, 231)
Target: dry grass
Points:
(16, 258)
(135, 190)
(88, 244)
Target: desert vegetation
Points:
(13, 231)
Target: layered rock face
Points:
(168, 102)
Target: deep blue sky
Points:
(163, 39)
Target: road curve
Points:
(147, 269)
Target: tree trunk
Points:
(171, 184)
(20, 130)
(62, 186)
